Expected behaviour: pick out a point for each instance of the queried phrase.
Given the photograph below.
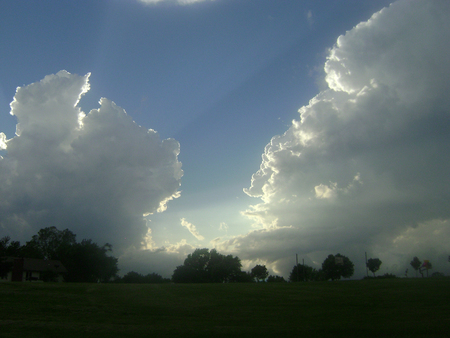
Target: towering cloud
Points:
(96, 174)
(192, 229)
(365, 167)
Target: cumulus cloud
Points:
(96, 174)
(192, 229)
(365, 165)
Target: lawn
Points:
(412, 307)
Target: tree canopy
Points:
(416, 263)
(275, 279)
(373, 264)
(50, 243)
(260, 273)
(7, 248)
(137, 278)
(204, 266)
(336, 266)
(304, 273)
(85, 261)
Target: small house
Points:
(32, 269)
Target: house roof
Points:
(33, 264)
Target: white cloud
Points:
(192, 229)
(223, 227)
(2, 141)
(95, 174)
(324, 191)
(367, 160)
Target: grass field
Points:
(367, 308)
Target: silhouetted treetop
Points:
(204, 266)
(337, 266)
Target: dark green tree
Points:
(425, 267)
(203, 266)
(5, 266)
(437, 275)
(154, 278)
(336, 266)
(243, 277)
(137, 278)
(88, 262)
(373, 264)
(132, 277)
(185, 274)
(303, 273)
(50, 243)
(416, 263)
(10, 248)
(221, 268)
(85, 261)
(260, 273)
(275, 279)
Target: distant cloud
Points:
(223, 227)
(96, 174)
(180, 2)
(192, 229)
(365, 167)
(309, 17)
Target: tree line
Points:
(85, 261)
(205, 266)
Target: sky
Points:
(263, 128)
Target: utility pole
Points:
(303, 269)
(367, 271)
(296, 265)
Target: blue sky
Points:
(222, 78)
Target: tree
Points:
(437, 275)
(221, 268)
(154, 278)
(244, 277)
(275, 279)
(50, 243)
(337, 266)
(204, 266)
(132, 277)
(7, 249)
(260, 273)
(416, 263)
(374, 264)
(88, 262)
(425, 266)
(85, 261)
(137, 278)
(303, 273)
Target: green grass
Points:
(367, 308)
